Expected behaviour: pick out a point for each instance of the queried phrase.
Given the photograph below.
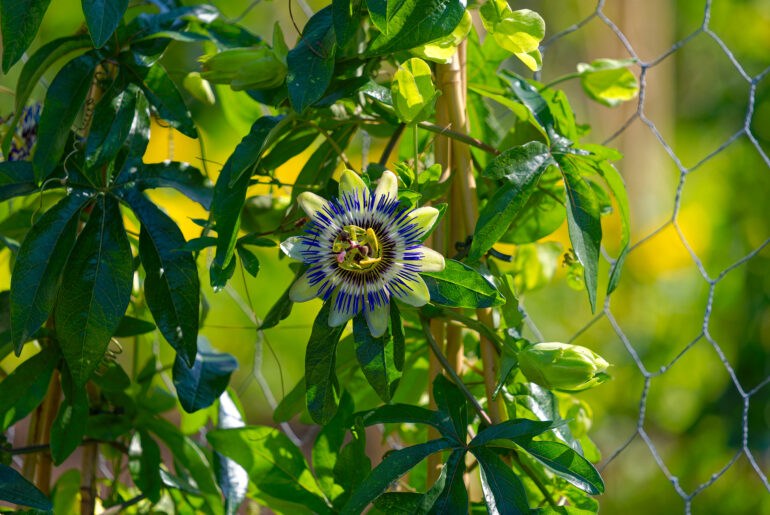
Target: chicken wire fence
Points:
(746, 391)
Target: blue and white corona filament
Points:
(363, 249)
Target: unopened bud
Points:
(265, 72)
(199, 87)
(221, 68)
(560, 366)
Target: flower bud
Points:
(265, 72)
(560, 366)
(199, 88)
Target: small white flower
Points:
(362, 249)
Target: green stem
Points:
(531, 473)
(474, 324)
(451, 371)
(561, 79)
(459, 136)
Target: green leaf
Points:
(398, 503)
(344, 14)
(199, 386)
(63, 101)
(181, 176)
(503, 492)
(541, 215)
(69, 426)
(24, 388)
(615, 182)
(451, 400)
(460, 286)
(406, 413)
(608, 81)
(33, 69)
(583, 222)
(102, 18)
(139, 137)
(229, 198)
(16, 178)
(131, 326)
(322, 164)
(192, 458)
(17, 490)
(39, 264)
(163, 96)
(249, 261)
(274, 464)
(320, 361)
(111, 125)
(232, 478)
(95, 291)
(537, 105)
(522, 167)
(519, 430)
(327, 446)
(311, 69)
(563, 461)
(448, 495)
(282, 307)
(291, 404)
(389, 470)
(19, 22)
(411, 23)
(144, 464)
(171, 286)
(377, 358)
(353, 464)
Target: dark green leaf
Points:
(451, 400)
(522, 167)
(321, 165)
(114, 378)
(545, 406)
(17, 490)
(398, 503)
(583, 221)
(377, 358)
(460, 286)
(406, 413)
(187, 453)
(282, 307)
(399, 337)
(198, 244)
(19, 22)
(411, 23)
(24, 388)
(249, 261)
(537, 105)
(131, 326)
(311, 69)
(232, 478)
(542, 214)
(144, 464)
(95, 290)
(320, 361)
(102, 18)
(198, 387)
(39, 264)
(563, 461)
(448, 495)
(390, 469)
(16, 178)
(275, 465)
(519, 430)
(163, 96)
(69, 426)
(503, 492)
(328, 444)
(253, 239)
(353, 464)
(291, 404)
(111, 125)
(183, 177)
(229, 199)
(63, 101)
(171, 284)
(139, 137)
(344, 14)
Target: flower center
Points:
(357, 249)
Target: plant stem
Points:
(451, 371)
(459, 136)
(416, 151)
(391, 145)
(475, 325)
(559, 80)
(536, 479)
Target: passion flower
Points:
(363, 249)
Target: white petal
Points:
(353, 186)
(431, 260)
(310, 202)
(294, 247)
(415, 293)
(388, 186)
(302, 290)
(377, 319)
(425, 217)
(340, 315)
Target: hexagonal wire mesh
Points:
(746, 392)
